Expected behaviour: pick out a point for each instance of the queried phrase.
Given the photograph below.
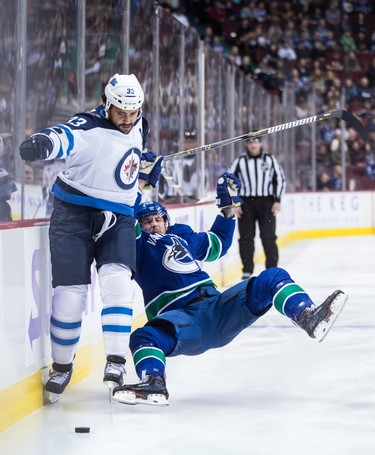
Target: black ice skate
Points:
(152, 390)
(317, 321)
(114, 372)
(58, 381)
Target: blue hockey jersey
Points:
(167, 268)
(102, 163)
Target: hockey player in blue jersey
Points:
(93, 218)
(186, 313)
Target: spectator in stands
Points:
(370, 167)
(260, 12)
(362, 6)
(331, 41)
(217, 44)
(275, 31)
(363, 42)
(337, 147)
(364, 90)
(318, 80)
(350, 90)
(7, 188)
(323, 156)
(335, 63)
(335, 178)
(247, 10)
(322, 183)
(351, 62)
(327, 131)
(357, 156)
(352, 136)
(347, 42)
(368, 117)
(301, 83)
(247, 65)
(318, 52)
(347, 6)
(235, 56)
(321, 31)
(345, 24)
(286, 51)
(333, 14)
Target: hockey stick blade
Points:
(352, 121)
(344, 115)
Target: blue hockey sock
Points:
(149, 360)
(149, 345)
(290, 299)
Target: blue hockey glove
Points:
(37, 147)
(227, 189)
(150, 168)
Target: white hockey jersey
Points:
(102, 163)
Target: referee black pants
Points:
(257, 210)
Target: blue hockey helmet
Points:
(151, 208)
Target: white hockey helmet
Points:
(125, 92)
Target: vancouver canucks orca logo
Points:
(126, 171)
(177, 258)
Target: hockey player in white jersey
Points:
(93, 218)
(186, 313)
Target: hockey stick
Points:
(349, 118)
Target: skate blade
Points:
(50, 398)
(324, 327)
(131, 398)
(111, 386)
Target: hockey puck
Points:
(82, 429)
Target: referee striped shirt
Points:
(260, 176)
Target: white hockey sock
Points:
(117, 295)
(68, 304)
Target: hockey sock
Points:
(290, 299)
(261, 289)
(117, 295)
(149, 360)
(149, 346)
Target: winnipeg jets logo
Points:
(130, 169)
(177, 259)
(126, 172)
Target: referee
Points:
(263, 185)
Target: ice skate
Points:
(114, 373)
(152, 391)
(317, 321)
(55, 385)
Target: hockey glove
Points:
(227, 189)
(150, 168)
(37, 147)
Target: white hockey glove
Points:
(227, 189)
(150, 168)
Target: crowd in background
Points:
(324, 48)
